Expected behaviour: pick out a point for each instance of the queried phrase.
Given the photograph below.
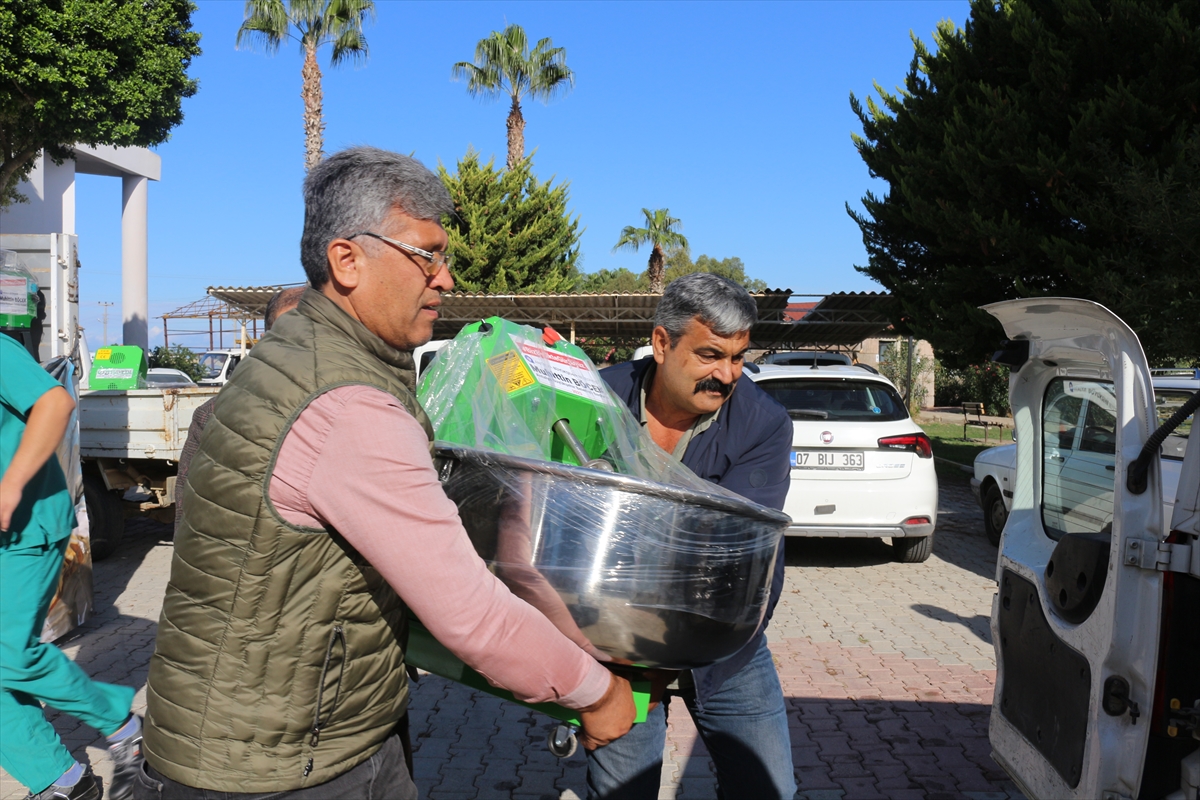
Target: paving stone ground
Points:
(888, 670)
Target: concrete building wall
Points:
(50, 209)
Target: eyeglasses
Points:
(434, 260)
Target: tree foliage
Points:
(677, 263)
(613, 281)
(1037, 152)
(505, 66)
(513, 233)
(89, 72)
(338, 23)
(177, 357)
(661, 232)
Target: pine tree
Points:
(513, 233)
(1013, 156)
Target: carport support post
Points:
(572, 331)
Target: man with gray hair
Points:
(696, 404)
(314, 525)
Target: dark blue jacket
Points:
(747, 450)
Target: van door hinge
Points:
(1160, 556)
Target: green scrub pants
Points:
(30, 671)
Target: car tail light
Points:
(916, 521)
(915, 442)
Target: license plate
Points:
(827, 459)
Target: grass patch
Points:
(948, 443)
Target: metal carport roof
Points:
(836, 320)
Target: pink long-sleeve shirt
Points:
(355, 460)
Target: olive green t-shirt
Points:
(45, 514)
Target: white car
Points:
(861, 467)
(168, 378)
(1082, 443)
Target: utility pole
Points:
(105, 320)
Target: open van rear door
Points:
(1076, 619)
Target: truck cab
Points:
(218, 366)
(1094, 622)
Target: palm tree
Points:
(504, 64)
(662, 230)
(315, 23)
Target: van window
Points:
(1166, 403)
(1078, 457)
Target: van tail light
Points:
(916, 521)
(915, 442)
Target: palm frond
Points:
(351, 45)
(309, 18)
(549, 74)
(632, 238)
(265, 25)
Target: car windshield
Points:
(159, 377)
(837, 399)
(1166, 403)
(211, 363)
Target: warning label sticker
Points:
(510, 371)
(104, 354)
(565, 373)
(14, 295)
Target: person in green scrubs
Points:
(36, 518)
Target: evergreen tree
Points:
(513, 233)
(1025, 158)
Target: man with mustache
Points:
(695, 403)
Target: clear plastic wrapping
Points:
(498, 386)
(619, 544)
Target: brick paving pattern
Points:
(888, 670)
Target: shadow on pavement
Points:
(873, 748)
(111, 576)
(979, 624)
(807, 552)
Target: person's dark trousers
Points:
(383, 776)
(744, 726)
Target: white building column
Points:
(134, 261)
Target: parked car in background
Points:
(807, 358)
(861, 467)
(167, 378)
(1080, 444)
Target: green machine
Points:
(118, 367)
(527, 392)
(541, 395)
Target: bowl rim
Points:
(724, 501)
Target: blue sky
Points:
(735, 116)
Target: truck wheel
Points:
(106, 518)
(994, 514)
(913, 549)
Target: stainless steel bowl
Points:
(638, 572)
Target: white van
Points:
(1095, 620)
